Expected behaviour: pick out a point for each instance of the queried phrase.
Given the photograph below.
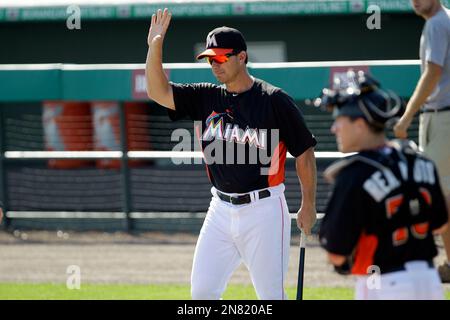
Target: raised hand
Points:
(158, 27)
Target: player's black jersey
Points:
(239, 132)
(383, 209)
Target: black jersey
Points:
(244, 136)
(384, 206)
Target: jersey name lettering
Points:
(424, 172)
(379, 185)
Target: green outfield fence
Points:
(146, 191)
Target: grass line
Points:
(48, 291)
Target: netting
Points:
(24, 129)
(74, 193)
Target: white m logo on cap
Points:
(211, 41)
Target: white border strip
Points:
(64, 215)
(43, 66)
(134, 154)
(318, 64)
(193, 65)
(62, 154)
(165, 154)
(199, 154)
(113, 215)
(167, 215)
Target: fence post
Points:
(125, 171)
(3, 193)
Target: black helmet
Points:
(359, 95)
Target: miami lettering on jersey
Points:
(217, 128)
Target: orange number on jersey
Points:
(400, 236)
(420, 230)
(426, 195)
(392, 205)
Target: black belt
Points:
(447, 108)
(403, 268)
(243, 199)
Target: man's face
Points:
(423, 7)
(226, 72)
(347, 132)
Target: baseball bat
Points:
(301, 266)
(301, 260)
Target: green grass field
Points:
(46, 291)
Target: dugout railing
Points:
(155, 194)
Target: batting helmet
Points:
(359, 95)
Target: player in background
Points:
(386, 204)
(432, 98)
(248, 218)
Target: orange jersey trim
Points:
(276, 170)
(365, 251)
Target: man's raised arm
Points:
(158, 87)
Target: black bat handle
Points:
(301, 268)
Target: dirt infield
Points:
(123, 258)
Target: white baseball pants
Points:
(257, 234)
(417, 282)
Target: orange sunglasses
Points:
(219, 58)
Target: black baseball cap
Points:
(223, 40)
